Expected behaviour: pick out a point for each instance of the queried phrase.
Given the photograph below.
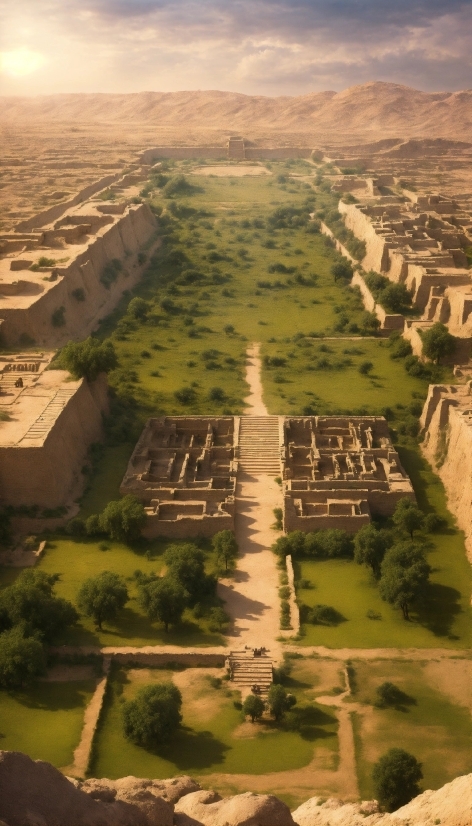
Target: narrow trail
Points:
(255, 402)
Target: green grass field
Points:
(76, 560)
(431, 727)
(442, 621)
(212, 738)
(45, 721)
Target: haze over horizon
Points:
(268, 47)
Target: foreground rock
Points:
(34, 793)
(206, 808)
(450, 806)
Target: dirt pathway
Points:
(252, 595)
(255, 403)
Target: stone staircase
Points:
(48, 417)
(248, 670)
(259, 447)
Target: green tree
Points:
(395, 298)
(153, 716)
(103, 597)
(186, 564)
(404, 576)
(226, 548)
(396, 777)
(21, 658)
(87, 359)
(370, 545)
(253, 707)
(138, 308)
(438, 342)
(342, 270)
(30, 602)
(123, 519)
(279, 701)
(408, 516)
(164, 599)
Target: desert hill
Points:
(367, 111)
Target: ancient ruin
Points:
(339, 471)
(336, 472)
(47, 425)
(64, 269)
(184, 470)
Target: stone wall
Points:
(121, 240)
(447, 428)
(47, 474)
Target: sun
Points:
(21, 62)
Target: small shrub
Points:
(58, 317)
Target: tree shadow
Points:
(191, 750)
(308, 721)
(53, 696)
(439, 609)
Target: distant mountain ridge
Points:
(372, 109)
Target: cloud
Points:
(266, 47)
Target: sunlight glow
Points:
(21, 62)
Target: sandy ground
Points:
(231, 171)
(255, 403)
(252, 595)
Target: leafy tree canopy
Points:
(31, 603)
(87, 359)
(370, 545)
(103, 597)
(253, 707)
(408, 516)
(279, 701)
(396, 777)
(21, 658)
(404, 575)
(438, 342)
(153, 716)
(186, 564)
(123, 519)
(164, 599)
(226, 547)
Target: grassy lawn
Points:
(432, 727)
(45, 722)
(76, 560)
(213, 737)
(301, 385)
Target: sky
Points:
(264, 47)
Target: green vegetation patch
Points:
(45, 722)
(430, 726)
(77, 560)
(213, 737)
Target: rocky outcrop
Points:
(207, 808)
(34, 793)
(450, 806)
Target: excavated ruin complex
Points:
(420, 244)
(50, 422)
(184, 470)
(337, 471)
(64, 269)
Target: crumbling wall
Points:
(47, 474)
(447, 427)
(122, 240)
